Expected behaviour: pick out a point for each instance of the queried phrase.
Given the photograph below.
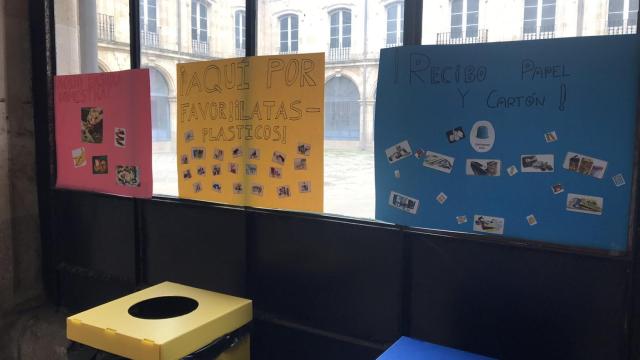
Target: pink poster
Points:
(103, 132)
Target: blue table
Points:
(410, 349)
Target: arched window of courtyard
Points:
(341, 109)
(160, 112)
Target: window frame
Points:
(240, 30)
(290, 41)
(144, 16)
(199, 5)
(399, 23)
(340, 36)
(626, 13)
(462, 30)
(44, 70)
(540, 6)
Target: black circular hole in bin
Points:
(163, 307)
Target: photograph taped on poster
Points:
(404, 203)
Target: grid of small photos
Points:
(92, 125)
(231, 163)
(481, 140)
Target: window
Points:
(623, 16)
(160, 112)
(464, 18)
(148, 23)
(539, 19)
(340, 29)
(395, 24)
(289, 34)
(341, 109)
(240, 32)
(199, 27)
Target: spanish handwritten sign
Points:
(103, 132)
(250, 131)
(530, 140)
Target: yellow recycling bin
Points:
(166, 321)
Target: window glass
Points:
(91, 36)
(472, 21)
(351, 36)
(183, 33)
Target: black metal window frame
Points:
(44, 69)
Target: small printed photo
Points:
(283, 191)
(201, 171)
(512, 170)
(462, 219)
(278, 157)
(455, 134)
(233, 168)
(438, 162)
(251, 169)
(618, 180)
(216, 187)
(441, 198)
(236, 152)
(184, 159)
(127, 175)
(598, 168)
(197, 187)
(120, 137)
(91, 124)
(275, 172)
(304, 187)
(404, 203)
(557, 189)
(550, 137)
(488, 224)
(397, 174)
(304, 149)
(571, 161)
(300, 164)
(254, 154)
(537, 163)
(216, 169)
(585, 165)
(100, 164)
(257, 189)
(585, 204)
(188, 136)
(531, 220)
(218, 154)
(237, 188)
(419, 154)
(483, 167)
(79, 157)
(186, 175)
(398, 152)
(197, 153)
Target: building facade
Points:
(350, 33)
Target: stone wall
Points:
(25, 324)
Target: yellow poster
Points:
(250, 131)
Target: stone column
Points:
(88, 36)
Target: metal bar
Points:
(412, 22)
(251, 22)
(134, 33)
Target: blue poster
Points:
(528, 140)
